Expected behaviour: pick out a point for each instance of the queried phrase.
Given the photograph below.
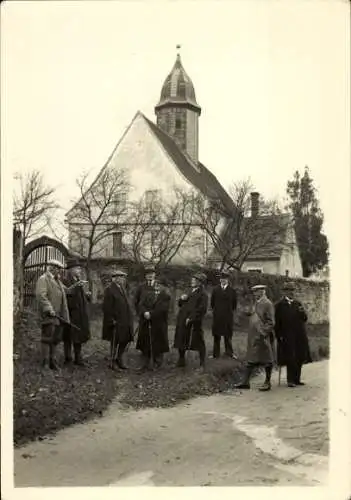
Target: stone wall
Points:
(314, 295)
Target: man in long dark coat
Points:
(223, 304)
(153, 307)
(260, 347)
(292, 341)
(148, 282)
(78, 332)
(118, 318)
(189, 334)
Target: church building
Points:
(160, 158)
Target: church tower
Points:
(178, 112)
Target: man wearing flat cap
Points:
(189, 334)
(292, 342)
(260, 349)
(78, 332)
(153, 308)
(118, 318)
(53, 309)
(223, 304)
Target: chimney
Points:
(255, 204)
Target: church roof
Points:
(197, 174)
(178, 87)
(200, 177)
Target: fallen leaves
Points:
(46, 402)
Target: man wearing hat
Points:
(223, 304)
(153, 307)
(148, 283)
(259, 342)
(118, 318)
(53, 310)
(192, 309)
(292, 341)
(78, 332)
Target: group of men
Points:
(63, 305)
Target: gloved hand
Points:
(147, 315)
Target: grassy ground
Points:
(44, 403)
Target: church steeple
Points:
(178, 112)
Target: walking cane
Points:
(151, 350)
(113, 346)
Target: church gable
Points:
(145, 161)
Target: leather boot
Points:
(67, 349)
(245, 384)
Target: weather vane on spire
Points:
(178, 47)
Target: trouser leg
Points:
(268, 370)
(45, 354)
(181, 359)
(298, 374)
(216, 346)
(53, 363)
(121, 348)
(228, 346)
(245, 384)
(291, 373)
(67, 349)
(202, 352)
(78, 354)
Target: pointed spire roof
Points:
(178, 87)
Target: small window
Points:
(151, 195)
(178, 124)
(117, 244)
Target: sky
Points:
(271, 77)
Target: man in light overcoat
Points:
(260, 346)
(53, 311)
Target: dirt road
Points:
(233, 439)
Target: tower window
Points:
(178, 124)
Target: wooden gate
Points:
(36, 256)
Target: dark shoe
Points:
(53, 365)
(67, 361)
(243, 385)
(290, 384)
(300, 383)
(120, 364)
(181, 363)
(79, 362)
(265, 387)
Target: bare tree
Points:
(33, 204)
(160, 226)
(98, 211)
(235, 233)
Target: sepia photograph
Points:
(176, 180)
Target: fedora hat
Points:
(149, 269)
(224, 274)
(288, 287)
(72, 263)
(55, 263)
(200, 277)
